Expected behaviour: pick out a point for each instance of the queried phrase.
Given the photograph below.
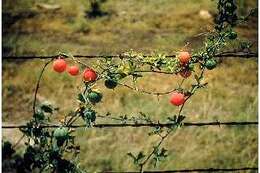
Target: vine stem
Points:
(193, 90)
(157, 146)
(163, 138)
(147, 92)
(38, 83)
(154, 71)
(18, 141)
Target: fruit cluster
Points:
(60, 65)
(185, 65)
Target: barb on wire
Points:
(122, 125)
(219, 55)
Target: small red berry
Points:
(177, 99)
(59, 65)
(89, 75)
(185, 73)
(73, 70)
(184, 57)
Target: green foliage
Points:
(45, 148)
(94, 97)
(210, 64)
(110, 83)
(89, 116)
(176, 120)
(138, 158)
(227, 14)
(159, 155)
(232, 35)
(61, 134)
(81, 98)
(7, 150)
(47, 107)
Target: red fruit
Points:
(73, 70)
(59, 65)
(177, 99)
(89, 75)
(184, 57)
(185, 73)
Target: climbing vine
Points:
(45, 148)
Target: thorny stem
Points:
(70, 121)
(157, 146)
(147, 92)
(193, 90)
(154, 71)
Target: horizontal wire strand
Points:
(220, 55)
(122, 125)
(192, 170)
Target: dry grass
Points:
(160, 25)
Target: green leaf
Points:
(140, 156)
(159, 155)
(180, 118)
(39, 115)
(81, 98)
(47, 107)
(136, 159)
(7, 149)
(156, 131)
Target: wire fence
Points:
(244, 55)
(227, 54)
(135, 125)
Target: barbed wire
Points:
(122, 125)
(226, 54)
(191, 170)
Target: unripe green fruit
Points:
(61, 133)
(90, 115)
(232, 35)
(191, 67)
(210, 64)
(110, 83)
(94, 97)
